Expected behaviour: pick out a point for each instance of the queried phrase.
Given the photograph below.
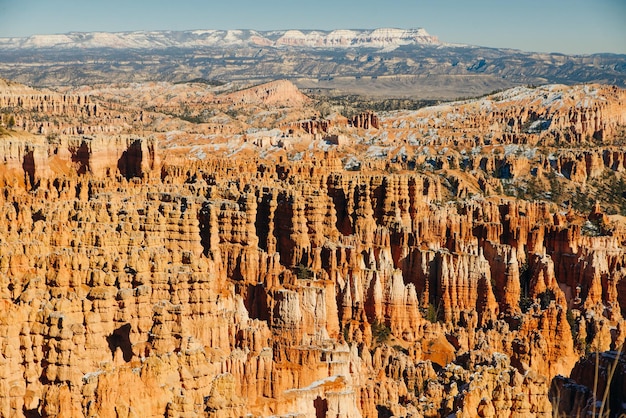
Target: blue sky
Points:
(568, 26)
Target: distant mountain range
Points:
(377, 38)
(382, 62)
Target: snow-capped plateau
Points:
(388, 38)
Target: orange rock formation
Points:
(293, 284)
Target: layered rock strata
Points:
(293, 284)
(264, 293)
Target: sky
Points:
(566, 26)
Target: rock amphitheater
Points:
(173, 250)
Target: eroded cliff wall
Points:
(134, 282)
(224, 288)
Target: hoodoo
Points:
(241, 253)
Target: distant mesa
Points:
(377, 38)
(380, 38)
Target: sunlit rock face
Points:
(277, 272)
